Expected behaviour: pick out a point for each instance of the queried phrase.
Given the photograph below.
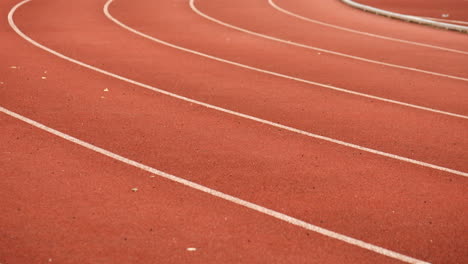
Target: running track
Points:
(278, 139)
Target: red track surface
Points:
(67, 204)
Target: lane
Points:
(377, 199)
(360, 32)
(328, 51)
(243, 14)
(58, 206)
(326, 11)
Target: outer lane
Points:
(329, 10)
(244, 14)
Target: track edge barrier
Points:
(407, 18)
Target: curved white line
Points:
(106, 11)
(364, 33)
(217, 108)
(215, 193)
(194, 8)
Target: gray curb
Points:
(407, 18)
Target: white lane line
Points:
(107, 13)
(215, 193)
(224, 110)
(288, 42)
(364, 33)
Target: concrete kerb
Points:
(407, 18)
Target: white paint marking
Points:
(227, 111)
(365, 33)
(191, 249)
(194, 8)
(106, 12)
(215, 193)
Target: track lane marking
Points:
(224, 110)
(362, 32)
(194, 8)
(215, 193)
(107, 13)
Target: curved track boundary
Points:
(276, 6)
(107, 13)
(446, 20)
(217, 108)
(195, 9)
(406, 18)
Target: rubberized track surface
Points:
(278, 140)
